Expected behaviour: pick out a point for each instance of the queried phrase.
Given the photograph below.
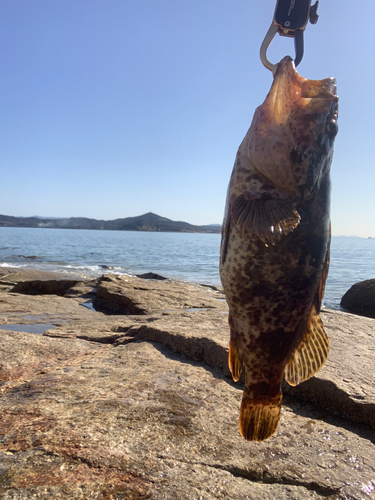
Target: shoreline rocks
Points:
(140, 404)
(360, 299)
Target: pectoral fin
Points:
(269, 219)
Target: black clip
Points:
(290, 19)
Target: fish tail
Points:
(235, 360)
(259, 419)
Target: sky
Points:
(115, 108)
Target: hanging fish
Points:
(275, 244)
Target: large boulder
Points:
(360, 299)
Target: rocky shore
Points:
(127, 395)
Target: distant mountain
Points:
(146, 222)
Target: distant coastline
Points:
(146, 222)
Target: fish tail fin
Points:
(235, 360)
(259, 419)
(310, 354)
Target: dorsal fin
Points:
(269, 219)
(311, 353)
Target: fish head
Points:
(291, 138)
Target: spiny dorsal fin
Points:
(311, 353)
(258, 420)
(270, 219)
(235, 360)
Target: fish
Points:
(275, 244)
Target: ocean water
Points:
(183, 256)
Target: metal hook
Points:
(273, 29)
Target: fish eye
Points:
(332, 127)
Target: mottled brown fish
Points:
(275, 244)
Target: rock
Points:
(44, 287)
(138, 419)
(12, 276)
(360, 299)
(127, 295)
(151, 276)
(31, 309)
(140, 407)
(345, 385)
(9, 277)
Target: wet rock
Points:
(30, 309)
(360, 299)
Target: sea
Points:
(190, 257)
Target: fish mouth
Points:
(319, 89)
(290, 90)
(296, 122)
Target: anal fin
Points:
(310, 354)
(259, 420)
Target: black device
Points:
(291, 15)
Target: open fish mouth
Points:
(290, 90)
(319, 88)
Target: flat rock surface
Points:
(139, 406)
(128, 295)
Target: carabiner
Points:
(290, 19)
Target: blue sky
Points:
(114, 108)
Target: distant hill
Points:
(146, 222)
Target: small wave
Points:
(6, 264)
(95, 269)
